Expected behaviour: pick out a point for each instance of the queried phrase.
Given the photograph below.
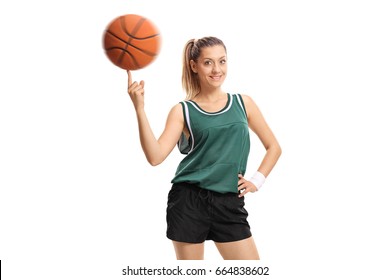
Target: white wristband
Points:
(258, 179)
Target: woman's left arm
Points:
(260, 127)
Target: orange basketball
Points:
(131, 42)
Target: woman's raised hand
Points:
(136, 92)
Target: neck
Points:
(210, 96)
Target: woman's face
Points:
(211, 66)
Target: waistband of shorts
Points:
(197, 188)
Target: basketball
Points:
(131, 42)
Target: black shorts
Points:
(195, 215)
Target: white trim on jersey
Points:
(188, 120)
(212, 114)
(239, 102)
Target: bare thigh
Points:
(189, 251)
(238, 250)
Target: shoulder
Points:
(248, 101)
(177, 107)
(250, 105)
(176, 112)
(246, 98)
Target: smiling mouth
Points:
(216, 78)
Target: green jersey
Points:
(217, 148)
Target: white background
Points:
(78, 199)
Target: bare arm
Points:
(260, 127)
(155, 150)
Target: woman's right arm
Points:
(155, 150)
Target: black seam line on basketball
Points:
(135, 29)
(147, 52)
(134, 37)
(120, 58)
(131, 55)
(125, 49)
(141, 50)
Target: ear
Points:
(193, 66)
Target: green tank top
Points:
(217, 148)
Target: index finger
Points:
(130, 80)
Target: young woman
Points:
(206, 201)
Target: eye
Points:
(223, 61)
(207, 62)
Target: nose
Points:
(216, 68)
